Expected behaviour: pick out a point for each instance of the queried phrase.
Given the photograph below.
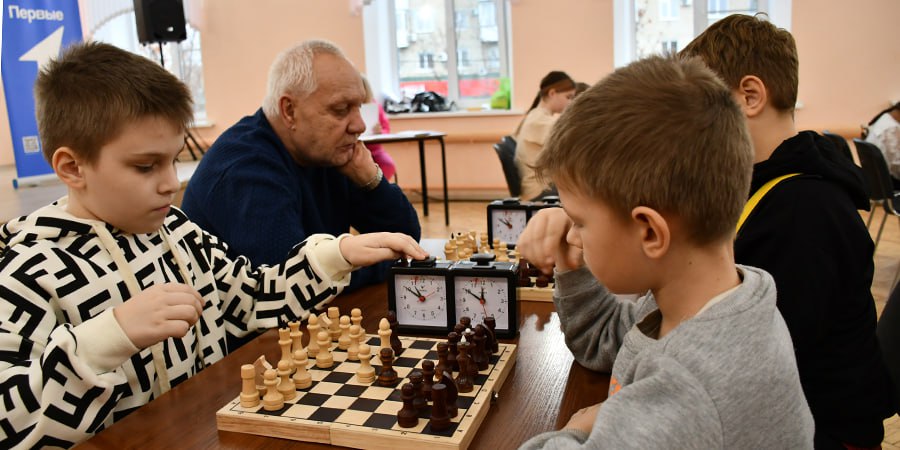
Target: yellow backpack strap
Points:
(757, 196)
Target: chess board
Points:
(338, 410)
(534, 293)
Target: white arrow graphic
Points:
(44, 51)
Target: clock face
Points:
(478, 297)
(421, 300)
(508, 224)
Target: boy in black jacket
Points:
(807, 233)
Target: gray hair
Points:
(292, 72)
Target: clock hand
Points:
(416, 292)
(473, 295)
(482, 299)
(507, 223)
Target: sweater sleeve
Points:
(58, 390)
(593, 319)
(666, 407)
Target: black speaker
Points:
(159, 21)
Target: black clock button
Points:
(511, 201)
(482, 260)
(427, 262)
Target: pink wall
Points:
(241, 38)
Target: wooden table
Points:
(420, 137)
(545, 388)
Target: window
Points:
(456, 48)
(113, 22)
(643, 28)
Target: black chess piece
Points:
(466, 322)
(452, 350)
(440, 420)
(481, 350)
(523, 279)
(491, 323)
(415, 378)
(452, 394)
(427, 378)
(387, 376)
(464, 381)
(443, 351)
(408, 416)
(396, 345)
(472, 348)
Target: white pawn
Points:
(344, 339)
(324, 360)
(384, 331)
(334, 314)
(273, 400)
(356, 319)
(313, 327)
(353, 349)
(302, 378)
(286, 386)
(366, 373)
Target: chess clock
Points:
(483, 287)
(506, 220)
(419, 292)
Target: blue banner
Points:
(34, 31)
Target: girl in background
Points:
(379, 154)
(556, 91)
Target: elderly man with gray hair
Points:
(296, 167)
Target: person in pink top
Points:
(379, 154)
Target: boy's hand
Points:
(159, 312)
(584, 419)
(361, 168)
(544, 245)
(370, 248)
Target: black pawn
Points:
(466, 322)
(459, 328)
(452, 342)
(452, 394)
(471, 348)
(415, 378)
(464, 380)
(523, 279)
(427, 378)
(481, 350)
(491, 323)
(396, 345)
(440, 420)
(387, 376)
(408, 416)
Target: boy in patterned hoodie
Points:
(110, 296)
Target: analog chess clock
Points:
(507, 218)
(419, 292)
(482, 288)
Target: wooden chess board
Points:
(338, 410)
(534, 293)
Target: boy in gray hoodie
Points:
(653, 167)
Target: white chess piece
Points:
(366, 373)
(344, 339)
(302, 377)
(384, 331)
(324, 359)
(313, 327)
(353, 349)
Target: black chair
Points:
(506, 151)
(840, 143)
(888, 332)
(878, 176)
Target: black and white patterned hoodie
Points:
(67, 369)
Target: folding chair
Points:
(875, 170)
(840, 143)
(506, 151)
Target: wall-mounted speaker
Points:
(159, 21)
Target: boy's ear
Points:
(752, 95)
(654, 230)
(68, 167)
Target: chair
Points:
(840, 143)
(506, 151)
(878, 176)
(888, 332)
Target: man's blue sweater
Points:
(248, 191)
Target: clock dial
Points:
(508, 224)
(478, 297)
(421, 299)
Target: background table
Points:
(545, 388)
(420, 137)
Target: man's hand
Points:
(584, 419)
(544, 245)
(159, 312)
(370, 248)
(361, 168)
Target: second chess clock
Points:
(507, 218)
(482, 288)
